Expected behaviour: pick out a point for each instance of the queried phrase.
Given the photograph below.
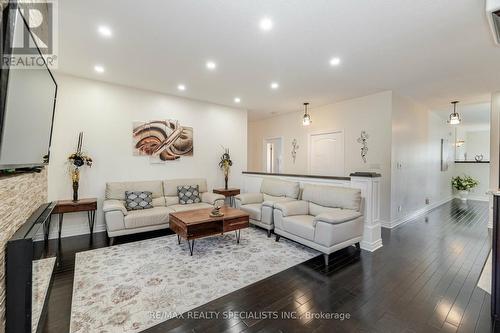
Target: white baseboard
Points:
(371, 247)
(385, 224)
(70, 231)
(403, 219)
(476, 198)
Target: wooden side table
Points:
(229, 193)
(70, 206)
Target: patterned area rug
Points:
(131, 287)
(41, 276)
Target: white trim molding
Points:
(370, 191)
(410, 216)
(281, 152)
(476, 197)
(69, 230)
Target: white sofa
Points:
(327, 219)
(120, 222)
(260, 205)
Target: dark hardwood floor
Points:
(424, 279)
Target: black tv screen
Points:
(28, 100)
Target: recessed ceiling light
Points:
(181, 87)
(335, 61)
(266, 24)
(105, 31)
(99, 68)
(237, 100)
(211, 65)
(275, 85)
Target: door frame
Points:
(309, 144)
(264, 151)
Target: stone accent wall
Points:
(20, 196)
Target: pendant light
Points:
(454, 117)
(306, 120)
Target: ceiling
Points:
(432, 51)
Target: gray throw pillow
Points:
(137, 200)
(188, 194)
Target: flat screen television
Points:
(27, 99)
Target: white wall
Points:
(439, 182)
(494, 149)
(105, 113)
(495, 141)
(404, 146)
(416, 160)
(476, 141)
(369, 113)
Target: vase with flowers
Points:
(225, 164)
(463, 184)
(76, 161)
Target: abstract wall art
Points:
(162, 140)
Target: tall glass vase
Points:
(226, 176)
(75, 178)
(75, 191)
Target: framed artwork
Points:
(162, 140)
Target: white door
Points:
(273, 149)
(326, 154)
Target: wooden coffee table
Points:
(193, 224)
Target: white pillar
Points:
(370, 191)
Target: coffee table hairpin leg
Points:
(191, 246)
(238, 233)
(91, 220)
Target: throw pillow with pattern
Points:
(136, 200)
(188, 194)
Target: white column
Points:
(370, 191)
(494, 150)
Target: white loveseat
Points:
(260, 205)
(120, 222)
(327, 219)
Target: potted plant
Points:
(225, 164)
(463, 185)
(76, 161)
